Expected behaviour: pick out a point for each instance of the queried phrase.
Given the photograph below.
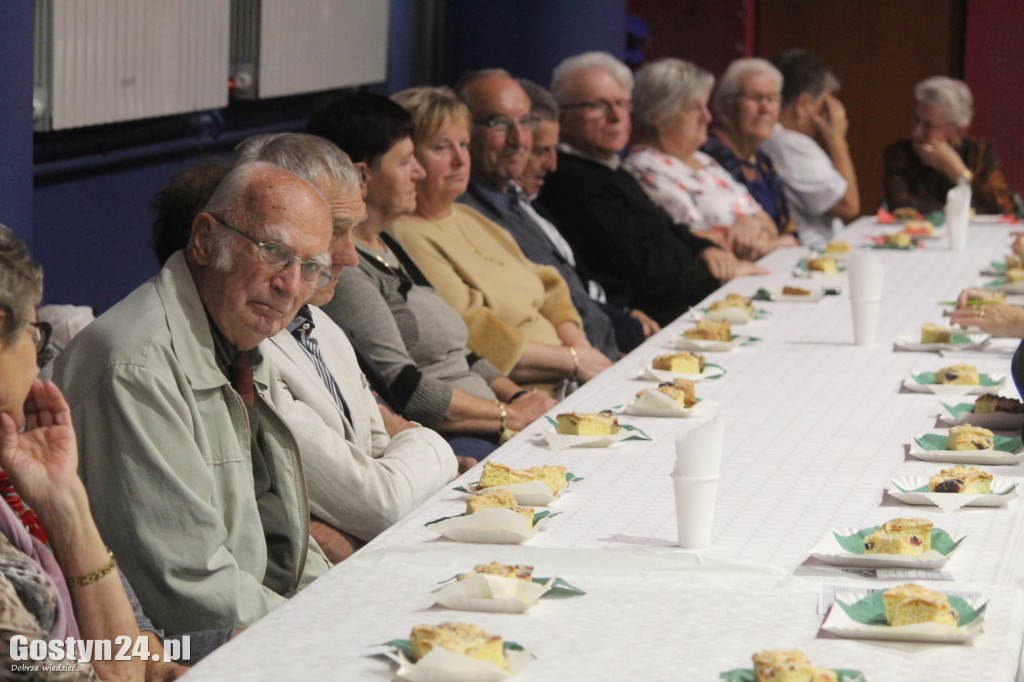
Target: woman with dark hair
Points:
(415, 338)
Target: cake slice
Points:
(900, 536)
(680, 390)
(680, 363)
(496, 568)
(919, 227)
(911, 604)
(495, 475)
(837, 246)
(490, 498)
(967, 437)
(795, 291)
(960, 375)
(823, 264)
(461, 638)
(710, 330)
(900, 240)
(961, 479)
(587, 424)
(553, 475)
(1015, 274)
(734, 301)
(933, 333)
(990, 403)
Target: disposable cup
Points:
(695, 509)
(865, 320)
(957, 234)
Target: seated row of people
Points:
(231, 444)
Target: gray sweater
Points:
(416, 339)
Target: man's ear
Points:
(364, 173)
(202, 225)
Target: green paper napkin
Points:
(747, 675)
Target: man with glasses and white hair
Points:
(623, 237)
(194, 478)
(501, 138)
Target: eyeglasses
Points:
(277, 257)
(499, 124)
(602, 106)
(41, 332)
(761, 97)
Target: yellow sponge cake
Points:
(911, 604)
(961, 479)
(933, 333)
(679, 363)
(462, 638)
(490, 498)
(587, 424)
(960, 375)
(553, 475)
(900, 536)
(496, 474)
(967, 437)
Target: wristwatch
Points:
(966, 178)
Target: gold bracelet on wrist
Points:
(504, 416)
(575, 364)
(95, 575)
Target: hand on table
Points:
(998, 319)
(528, 408)
(649, 326)
(720, 262)
(591, 362)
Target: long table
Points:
(815, 429)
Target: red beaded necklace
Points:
(28, 517)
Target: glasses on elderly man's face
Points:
(41, 332)
(499, 124)
(602, 107)
(761, 97)
(277, 257)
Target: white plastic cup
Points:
(957, 233)
(695, 509)
(865, 320)
(699, 451)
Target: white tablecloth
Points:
(815, 429)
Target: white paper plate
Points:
(840, 624)
(831, 552)
(994, 269)
(1003, 285)
(817, 293)
(911, 383)
(492, 526)
(561, 441)
(950, 502)
(911, 341)
(708, 346)
(648, 373)
(971, 457)
(1000, 421)
(657, 404)
(441, 665)
(492, 593)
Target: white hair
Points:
(730, 85)
(952, 97)
(666, 87)
(563, 73)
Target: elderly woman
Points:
(939, 154)
(75, 591)
(519, 314)
(670, 102)
(746, 104)
(410, 333)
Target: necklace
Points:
(398, 272)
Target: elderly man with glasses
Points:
(194, 478)
(623, 237)
(501, 139)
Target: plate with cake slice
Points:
(933, 343)
(769, 663)
(500, 588)
(825, 266)
(669, 400)
(509, 524)
(898, 543)
(537, 486)
(906, 613)
(954, 380)
(589, 430)
(455, 652)
(967, 444)
(953, 488)
(680, 365)
(792, 294)
(734, 309)
(989, 410)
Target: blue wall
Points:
(90, 228)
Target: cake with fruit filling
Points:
(461, 638)
(680, 363)
(933, 333)
(967, 437)
(911, 604)
(900, 536)
(960, 375)
(961, 479)
(496, 568)
(990, 403)
(788, 666)
(601, 423)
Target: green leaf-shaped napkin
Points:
(747, 675)
(854, 544)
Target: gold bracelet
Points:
(575, 364)
(95, 575)
(504, 416)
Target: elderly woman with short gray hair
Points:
(940, 154)
(670, 104)
(746, 103)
